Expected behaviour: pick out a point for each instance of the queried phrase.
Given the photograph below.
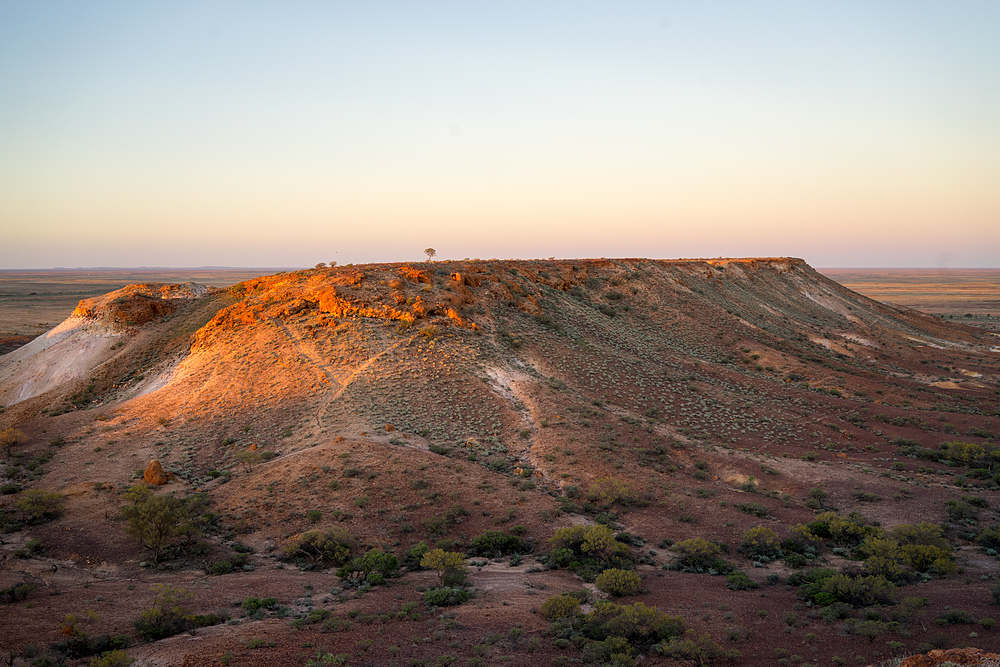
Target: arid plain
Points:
(634, 462)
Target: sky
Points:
(848, 133)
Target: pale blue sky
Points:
(283, 134)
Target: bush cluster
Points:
(588, 550)
(618, 582)
(373, 567)
(320, 548)
(497, 543)
(699, 555)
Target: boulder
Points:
(154, 473)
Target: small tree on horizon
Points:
(430, 252)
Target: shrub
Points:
(560, 606)
(607, 491)
(883, 557)
(496, 543)
(325, 548)
(582, 544)
(640, 625)
(614, 651)
(372, 567)
(959, 511)
(761, 544)
(618, 582)
(739, 581)
(252, 604)
(846, 531)
(870, 630)
(697, 651)
(698, 555)
(859, 591)
(170, 615)
(116, 658)
(445, 596)
(956, 617)
(990, 538)
(79, 644)
(413, 555)
(921, 547)
(37, 506)
(16, 593)
(227, 565)
(156, 522)
(921, 533)
(11, 439)
(10, 488)
(450, 566)
(753, 509)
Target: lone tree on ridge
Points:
(430, 252)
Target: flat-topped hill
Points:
(431, 402)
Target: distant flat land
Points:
(32, 302)
(968, 295)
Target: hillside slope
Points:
(433, 401)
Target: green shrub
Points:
(560, 606)
(37, 506)
(170, 615)
(606, 491)
(156, 522)
(739, 581)
(753, 509)
(330, 547)
(795, 561)
(613, 651)
(450, 566)
(587, 550)
(252, 604)
(116, 658)
(695, 650)
(445, 596)
(11, 439)
(374, 566)
(16, 592)
(10, 488)
(990, 538)
(956, 617)
(640, 625)
(858, 591)
(619, 582)
(597, 542)
(761, 544)
(959, 511)
(698, 555)
(496, 543)
(414, 554)
(847, 531)
(227, 565)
